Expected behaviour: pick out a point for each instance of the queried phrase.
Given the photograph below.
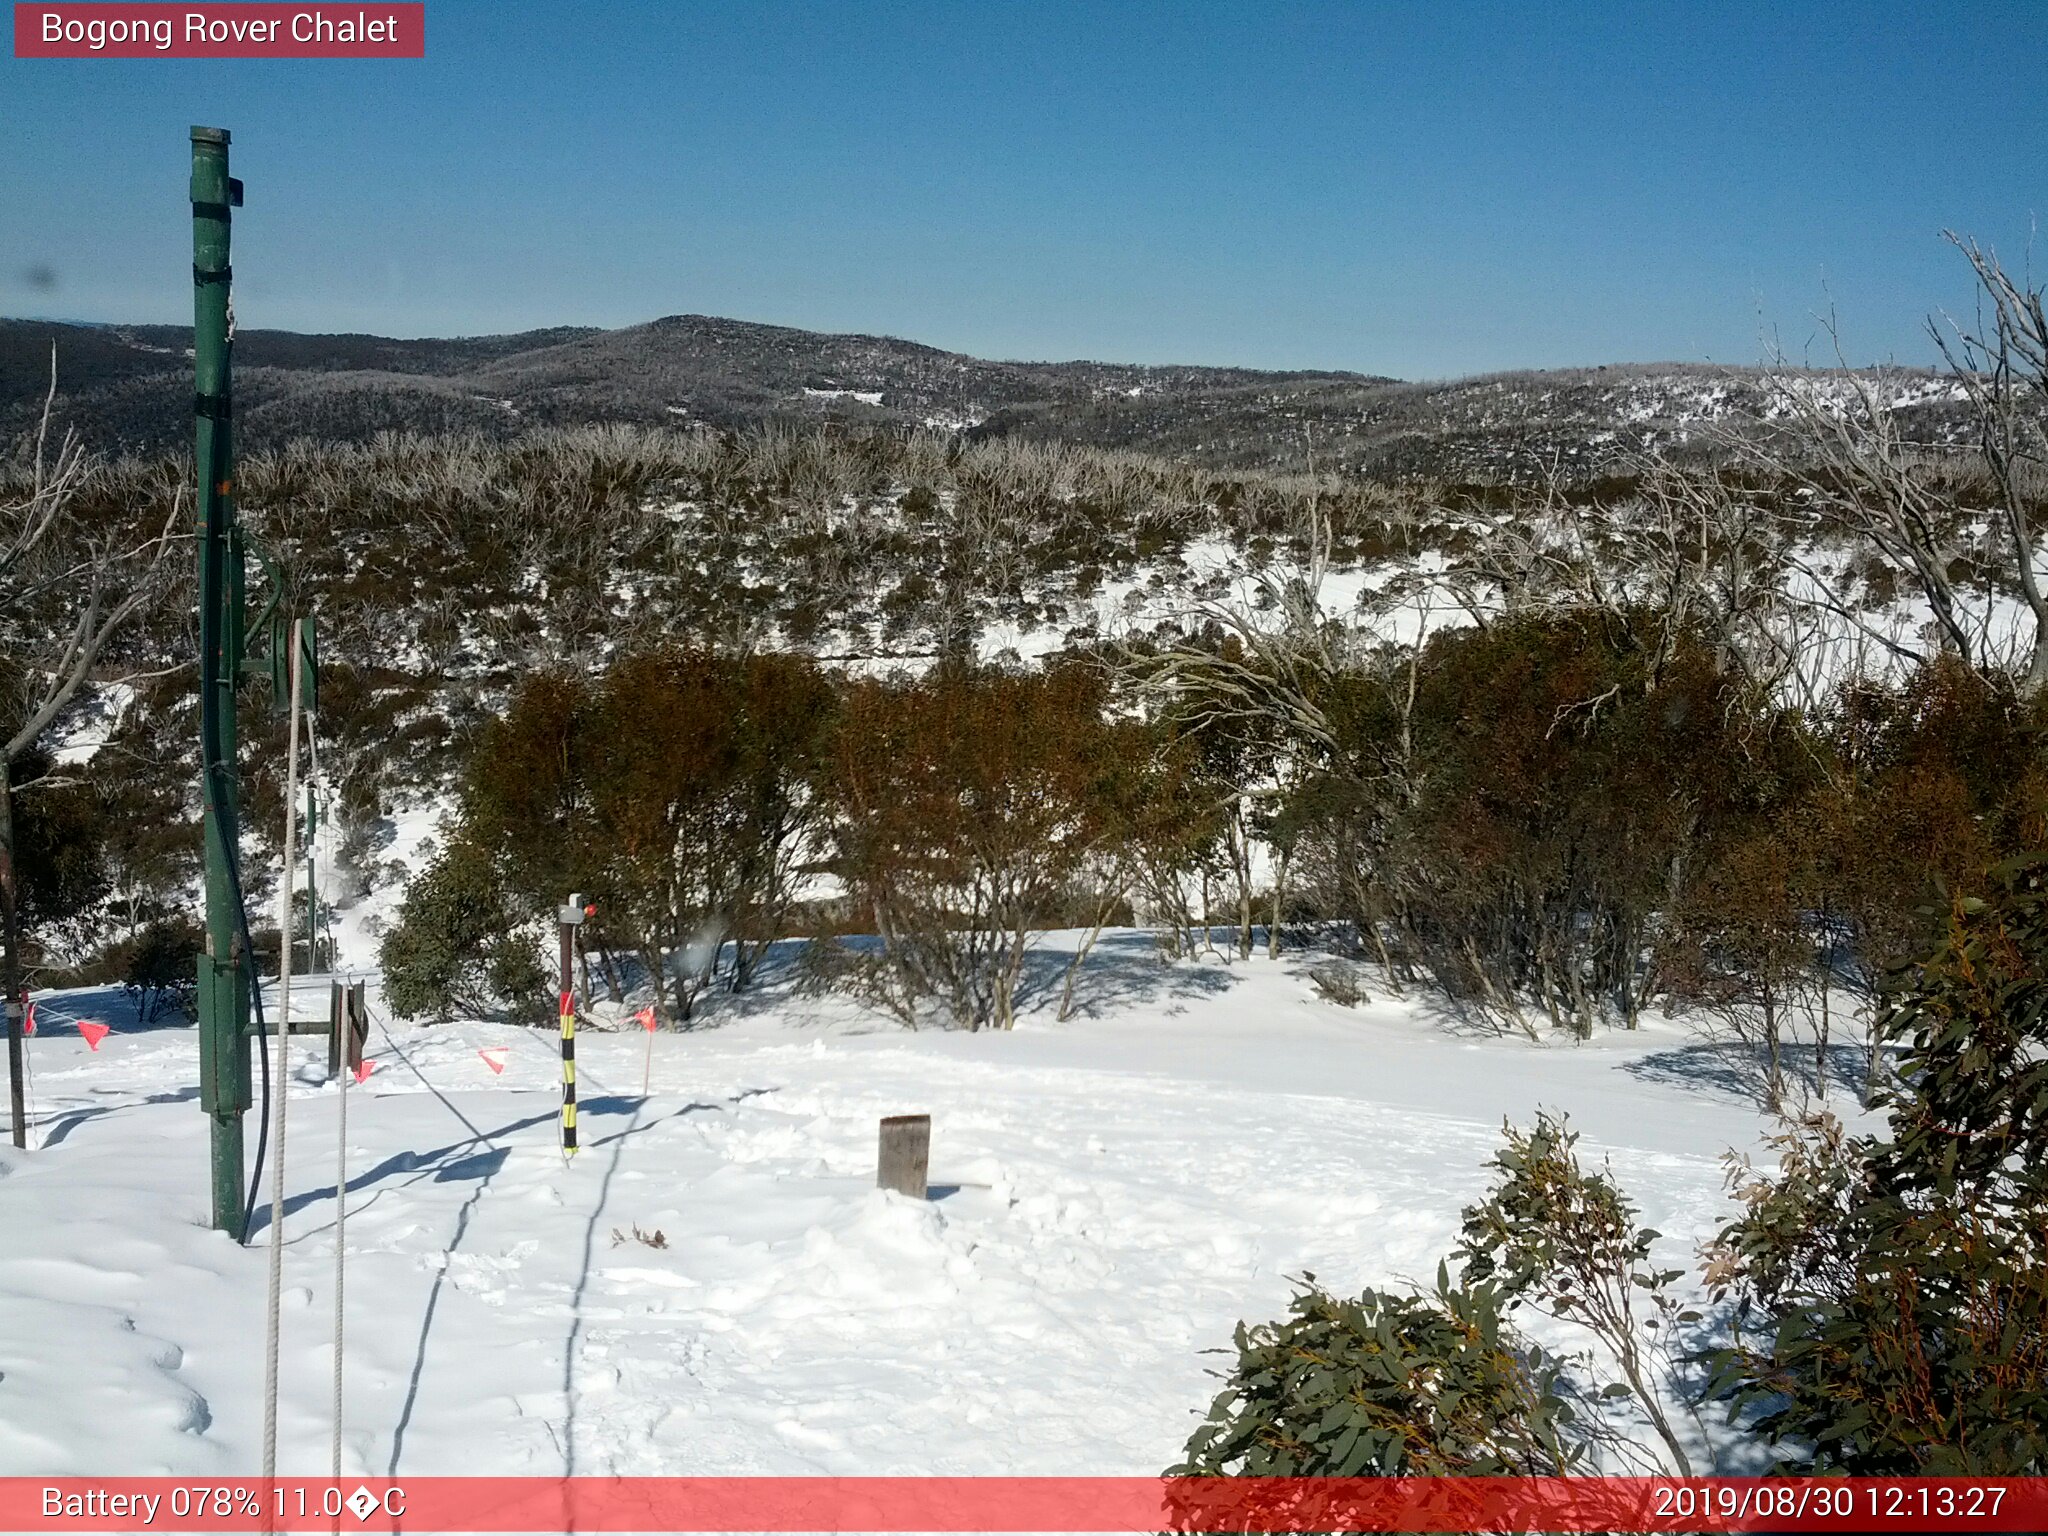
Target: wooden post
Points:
(358, 1016)
(906, 1154)
(348, 1025)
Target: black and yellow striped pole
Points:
(571, 917)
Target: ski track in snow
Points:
(1111, 1196)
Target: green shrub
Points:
(455, 949)
(1552, 1235)
(1386, 1385)
(160, 966)
(1901, 1279)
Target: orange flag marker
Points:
(646, 1018)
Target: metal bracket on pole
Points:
(284, 634)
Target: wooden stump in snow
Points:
(906, 1154)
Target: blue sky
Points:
(1424, 190)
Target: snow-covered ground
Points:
(1109, 1197)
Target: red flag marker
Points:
(28, 1021)
(94, 1033)
(364, 1068)
(646, 1018)
(494, 1057)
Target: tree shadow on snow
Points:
(1126, 969)
(1471, 1018)
(58, 1013)
(775, 975)
(442, 1166)
(1742, 1071)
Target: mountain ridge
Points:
(127, 387)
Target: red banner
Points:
(234, 31)
(1051, 1504)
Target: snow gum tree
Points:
(700, 774)
(677, 789)
(964, 809)
(70, 580)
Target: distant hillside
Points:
(130, 387)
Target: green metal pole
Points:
(224, 970)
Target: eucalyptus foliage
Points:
(1385, 1385)
(1893, 1288)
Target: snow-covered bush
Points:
(1338, 981)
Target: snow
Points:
(1110, 1196)
(92, 723)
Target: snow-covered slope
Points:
(1110, 1196)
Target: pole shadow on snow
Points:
(62, 1124)
(636, 1129)
(419, 1359)
(482, 1167)
(430, 1164)
(604, 1190)
(478, 1165)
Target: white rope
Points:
(284, 1074)
(314, 782)
(345, 1024)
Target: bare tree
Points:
(66, 588)
(1853, 457)
(1267, 672)
(2001, 366)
